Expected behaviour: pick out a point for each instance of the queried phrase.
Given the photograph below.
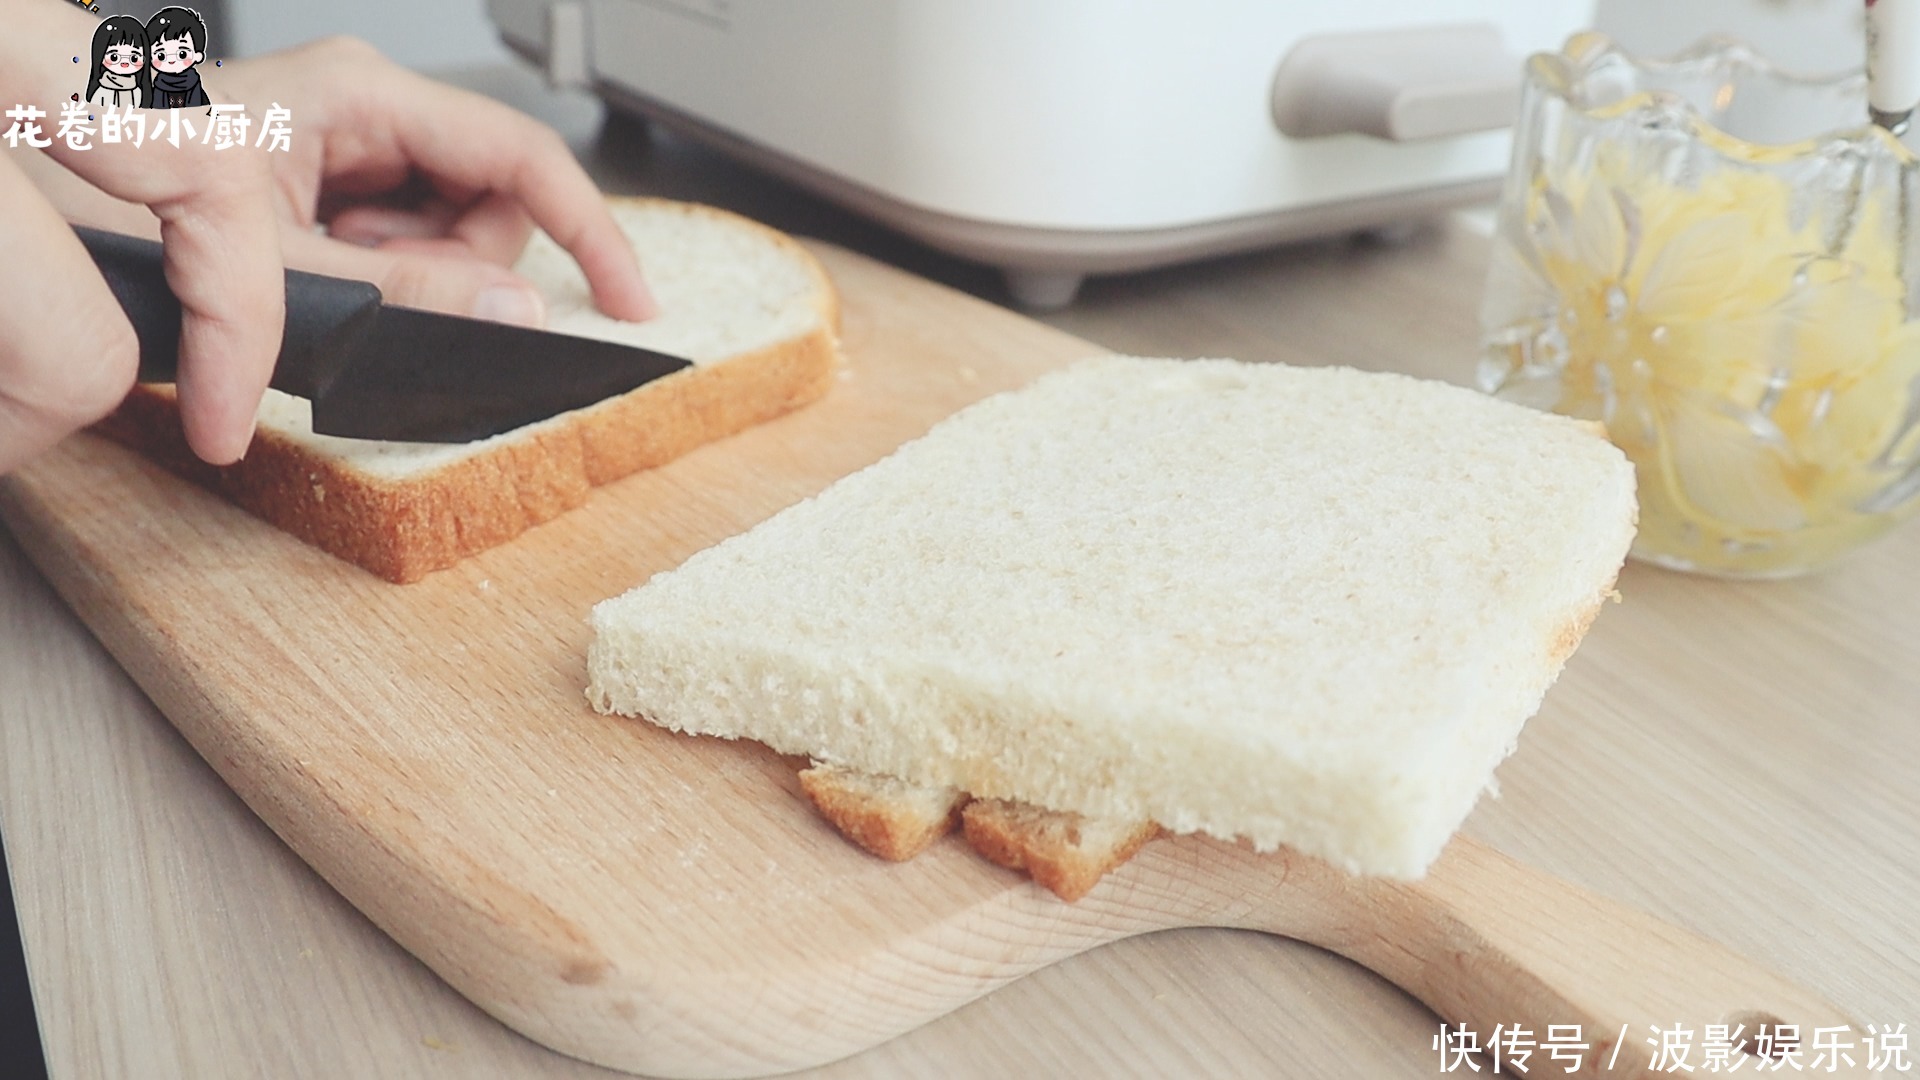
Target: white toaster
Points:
(1058, 138)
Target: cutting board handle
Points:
(1487, 942)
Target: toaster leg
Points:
(1043, 290)
(1393, 233)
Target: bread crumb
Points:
(433, 1043)
(319, 493)
(845, 374)
(486, 584)
(306, 954)
(967, 375)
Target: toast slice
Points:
(1301, 606)
(1063, 852)
(753, 309)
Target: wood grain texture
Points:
(631, 897)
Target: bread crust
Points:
(1064, 853)
(887, 824)
(404, 529)
(1570, 635)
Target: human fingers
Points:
(67, 353)
(372, 224)
(221, 241)
(83, 204)
(494, 228)
(451, 281)
(469, 143)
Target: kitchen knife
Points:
(375, 370)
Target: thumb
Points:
(449, 283)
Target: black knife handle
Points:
(325, 315)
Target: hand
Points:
(365, 132)
(428, 191)
(68, 354)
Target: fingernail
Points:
(510, 304)
(239, 453)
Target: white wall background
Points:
(1812, 35)
(417, 33)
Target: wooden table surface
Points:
(1743, 766)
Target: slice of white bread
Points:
(1297, 606)
(752, 308)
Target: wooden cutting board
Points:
(671, 905)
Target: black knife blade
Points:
(381, 371)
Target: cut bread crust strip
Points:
(753, 310)
(889, 818)
(1065, 853)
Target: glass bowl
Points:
(1716, 260)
